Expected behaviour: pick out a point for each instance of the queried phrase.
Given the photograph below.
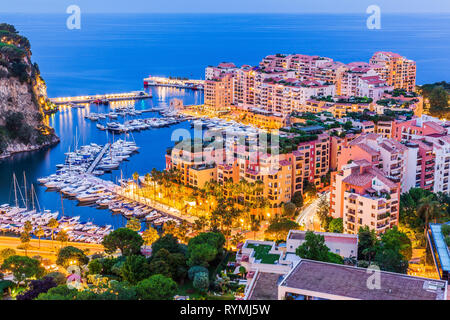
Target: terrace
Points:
(262, 255)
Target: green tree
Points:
(134, 269)
(314, 248)
(201, 254)
(242, 271)
(129, 242)
(336, 225)
(157, 287)
(201, 281)
(175, 262)
(439, 102)
(71, 256)
(367, 242)
(297, 199)
(168, 242)
(61, 292)
(280, 228)
(95, 266)
(23, 268)
(6, 253)
(289, 210)
(214, 239)
(194, 270)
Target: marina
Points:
(71, 124)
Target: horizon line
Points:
(231, 12)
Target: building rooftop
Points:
(340, 281)
(329, 236)
(265, 286)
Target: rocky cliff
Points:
(23, 97)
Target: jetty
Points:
(101, 98)
(98, 158)
(174, 83)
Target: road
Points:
(47, 249)
(307, 214)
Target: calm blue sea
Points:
(113, 53)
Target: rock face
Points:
(16, 96)
(23, 97)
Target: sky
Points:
(225, 6)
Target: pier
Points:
(103, 98)
(98, 158)
(174, 83)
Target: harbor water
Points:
(74, 129)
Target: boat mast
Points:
(32, 197)
(35, 195)
(15, 190)
(25, 187)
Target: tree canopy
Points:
(129, 242)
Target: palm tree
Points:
(170, 228)
(25, 239)
(134, 224)
(429, 208)
(53, 224)
(39, 233)
(150, 235)
(27, 227)
(255, 225)
(62, 237)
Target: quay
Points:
(47, 248)
(134, 95)
(174, 83)
(98, 158)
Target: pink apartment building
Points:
(363, 196)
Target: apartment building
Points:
(337, 145)
(399, 162)
(396, 70)
(418, 127)
(372, 87)
(218, 92)
(212, 72)
(384, 128)
(196, 165)
(363, 196)
(441, 152)
(283, 83)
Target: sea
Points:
(112, 53)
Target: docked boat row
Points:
(82, 187)
(93, 191)
(138, 124)
(94, 159)
(13, 219)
